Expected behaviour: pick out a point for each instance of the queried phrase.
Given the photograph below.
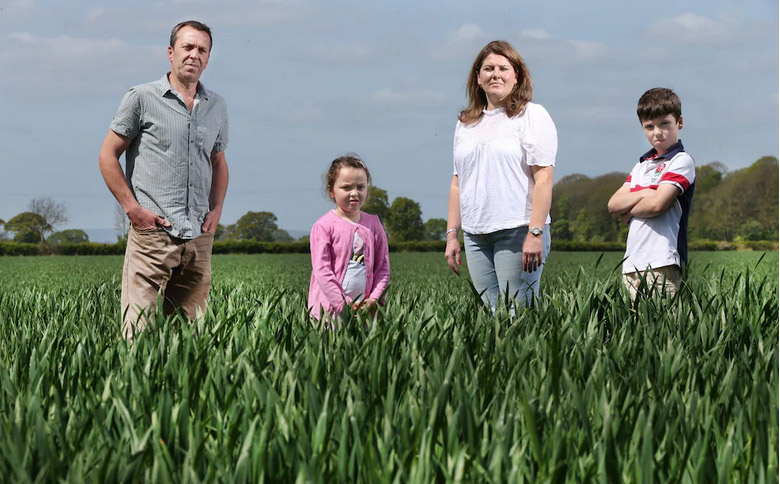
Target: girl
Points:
(349, 254)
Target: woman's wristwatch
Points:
(536, 231)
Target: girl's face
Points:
(349, 192)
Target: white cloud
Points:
(597, 113)
(21, 4)
(408, 97)
(467, 33)
(31, 61)
(586, 50)
(535, 34)
(303, 113)
(254, 14)
(467, 38)
(342, 53)
(692, 28)
(95, 13)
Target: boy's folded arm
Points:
(624, 199)
(657, 202)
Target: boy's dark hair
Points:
(195, 25)
(657, 103)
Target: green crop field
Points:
(586, 387)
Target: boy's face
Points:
(662, 132)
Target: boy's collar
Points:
(673, 150)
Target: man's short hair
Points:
(195, 25)
(657, 103)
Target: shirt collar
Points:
(498, 110)
(673, 150)
(166, 87)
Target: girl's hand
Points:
(532, 253)
(369, 304)
(452, 254)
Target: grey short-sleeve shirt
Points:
(168, 163)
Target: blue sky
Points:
(306, 81)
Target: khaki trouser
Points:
(666, 279)
(156, 262)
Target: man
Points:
(174, 133)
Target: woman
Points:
(504, 154)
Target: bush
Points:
(587, 246)
(704, 245)
(757, 245)
(89, 248)
(18, 248)
(418, 246)
(257, 247)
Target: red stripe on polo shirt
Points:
(628, 180)
(640, 187)
(676, 178)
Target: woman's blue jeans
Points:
(495, 262)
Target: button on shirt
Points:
(168, 163)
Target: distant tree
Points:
(577, 200)
(435, 228)
(254, 226)
(281, 235)
(377, 203)
(53, 213)
(69, 236)
(27, 227)
(742, 195)
(582, 227)
(304, 238)
(752, 230)
(708, 177)
(559, 228)
(220, 232)
(121, 222)
(405, 220)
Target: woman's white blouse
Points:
(492, 159)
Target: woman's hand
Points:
(452, 253)
(532, 253)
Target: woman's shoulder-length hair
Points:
(515, 101)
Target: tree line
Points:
(402, 219)
(727, 206)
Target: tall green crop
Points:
(587, 386)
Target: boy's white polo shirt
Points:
(661, 241)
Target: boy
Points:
(656, 199)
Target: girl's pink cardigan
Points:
(331, 247)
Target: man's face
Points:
(190, 54)
(662, 132)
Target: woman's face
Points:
(497, 78)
